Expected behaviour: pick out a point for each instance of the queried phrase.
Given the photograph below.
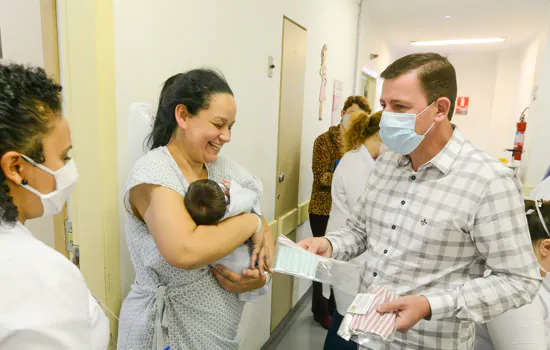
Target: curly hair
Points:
(361, 101)
(29, 104)
(361, 127)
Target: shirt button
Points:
(385, 251)
(393, 227)
(413, 177)
(375, 274)
(402, 202)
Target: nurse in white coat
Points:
(44, 301)
(362, 144)
(525, 328)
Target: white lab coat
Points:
(44, 301)
(348, 184)
(525, 328)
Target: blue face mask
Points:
(398, 133)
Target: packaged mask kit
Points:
(362, 323)
(291, 259)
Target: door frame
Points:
(379, 81)
(50, 50)
(287, 222)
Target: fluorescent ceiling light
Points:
(457, 42)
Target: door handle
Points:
(281, 177)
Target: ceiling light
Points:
(457, 42)
(447, 17)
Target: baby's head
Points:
(206, 202)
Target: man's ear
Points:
(443, 105)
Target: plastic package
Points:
(364, 325)
(291, 259)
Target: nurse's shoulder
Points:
(43, 298)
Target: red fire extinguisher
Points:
(518, 142)
(521, 126)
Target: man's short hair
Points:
(436, 74)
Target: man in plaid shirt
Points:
(443, 222)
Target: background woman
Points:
(326, 152)
(361, 145)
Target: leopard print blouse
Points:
(326, 151)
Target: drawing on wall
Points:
(323, 74)
(337, 103)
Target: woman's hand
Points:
(263, 248)
(258, 251)
(269, 246)
(235, 283)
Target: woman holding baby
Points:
(178, 299)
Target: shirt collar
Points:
(365, 155)
(14, 228)
(445, 159)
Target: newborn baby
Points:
(209, 202)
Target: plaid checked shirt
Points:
(455, 232)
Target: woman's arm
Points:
(180, 241)
(250, 279)
(322, 164)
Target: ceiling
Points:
(401, 21)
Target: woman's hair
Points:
(194, 90)
(361, 127)
(361, 101)
(536, 229)
(29, 104)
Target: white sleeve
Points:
(47, 310)
(100, 333)
(519, 329)
(340, 210)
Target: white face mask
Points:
(65, 178)
(345, 121)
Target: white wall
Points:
(21, 31)
(154, 40)
(537, 153)
(476, 76)
(506, 107)
(371, 42)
